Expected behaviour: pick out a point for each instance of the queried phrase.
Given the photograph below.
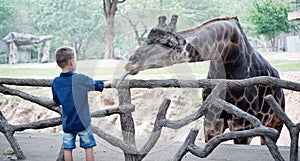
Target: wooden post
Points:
(127, 124)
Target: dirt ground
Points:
(147, 101)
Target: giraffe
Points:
(222, 42)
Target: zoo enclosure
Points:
(125, 109)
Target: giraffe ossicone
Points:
(222, 42)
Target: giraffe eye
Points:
(134, 58)
(171, 42)
(149, 41)
(164, 41)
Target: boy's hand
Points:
(109, 83)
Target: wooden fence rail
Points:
(125, 109)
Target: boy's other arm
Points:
(55, 98)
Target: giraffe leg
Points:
(275, 123)
(213, 129)
(214, 124)
(239, 124)
(242, 140)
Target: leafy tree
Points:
(71, 22)
(7, 17)
(269, 18)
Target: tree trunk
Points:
(46, 54)
(77, 46)
(110, 9)
(84, 48)
(12, 52)
(109, 37)
(273, 44)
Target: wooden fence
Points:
(125, 109)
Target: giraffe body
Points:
(223, 42)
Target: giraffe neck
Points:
(192, 54)
(225, 44)
(214, 40)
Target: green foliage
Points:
(9, 152)
(269, 18)
(69, 22)
(82, 21)
(7, 16)
(72, 17)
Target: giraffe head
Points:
(163, 47)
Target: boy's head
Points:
(65, 57)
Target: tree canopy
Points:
(270, 18)
(7, 16)
(70, 22)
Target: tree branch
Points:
(293, 128)
(156, 131)
(174, 83)
(40, 101)
(114, 141)
(110, 111)
(215, 141)
(27, 82)
(38, 124)
(6, 129)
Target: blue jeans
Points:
(86, 138)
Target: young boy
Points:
(71, 91)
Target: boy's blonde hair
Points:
(63, 55)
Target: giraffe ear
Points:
(162, 22)
(172, 25)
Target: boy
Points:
(71, 91)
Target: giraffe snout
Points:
(131, 68)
